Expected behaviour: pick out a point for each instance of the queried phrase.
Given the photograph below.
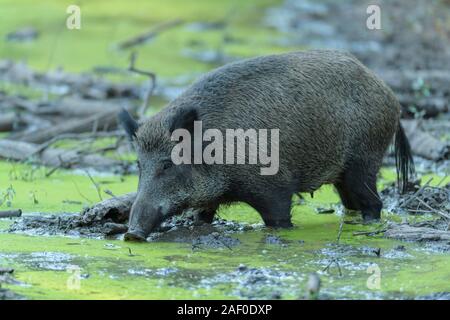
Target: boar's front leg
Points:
(275, 210)
(205, 215)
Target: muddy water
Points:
(243, 261)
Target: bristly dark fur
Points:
(335, 117)
(404, 162)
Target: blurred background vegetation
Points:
(206, 26)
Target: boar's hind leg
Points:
(358, 190)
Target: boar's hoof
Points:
(371, 218)
(134, 236)
(278, 223)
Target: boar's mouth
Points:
(142, 222)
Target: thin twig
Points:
(416, 194)
(341, 226)
(79, 192)
(369, 233)
(151, 87)
(337, 264)
(442, 214)
(95, 185)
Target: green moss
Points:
(106, 23)
(110, 272)
(61, 192)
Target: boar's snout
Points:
(143, 219)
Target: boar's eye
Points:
(166, 164)
(163, 166)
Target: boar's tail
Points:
(404, 162)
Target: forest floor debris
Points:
(432, 202)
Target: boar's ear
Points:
(183, 119)
(128, 123)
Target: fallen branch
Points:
(76, 107)
(19, 151)
(368, 233)
(77, 136)
(415, 195)
(144, 37)
(106, 119)
(10, 213)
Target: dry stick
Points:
(442, 180)
(442, 214)
(80, 193)
(416, 194)
(368, 233)
(78, 125)
(109, 193)
(152, 84)
(337, 264)
(341, 226)
(10, 213)
(95, 185)
(150, 34)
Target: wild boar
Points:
(335, 119)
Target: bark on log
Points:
(117, 208)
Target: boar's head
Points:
(165, 188)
